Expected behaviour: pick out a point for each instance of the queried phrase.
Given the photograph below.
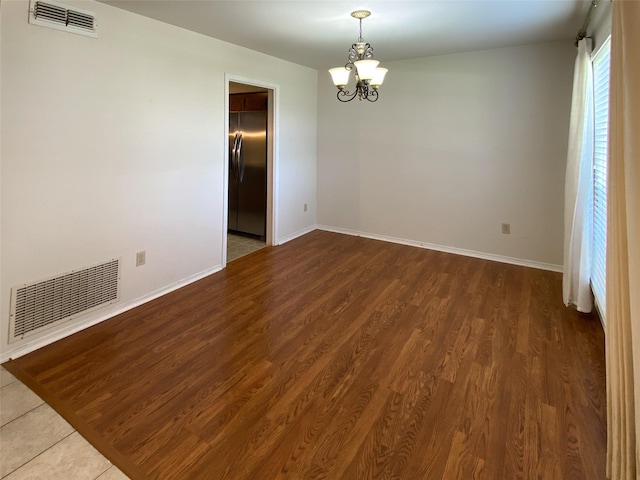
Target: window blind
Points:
(600, 160)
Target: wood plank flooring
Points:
(338, 357)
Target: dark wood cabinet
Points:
(248, 102)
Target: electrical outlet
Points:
(305, 207)
(141, 258)
(506, 228)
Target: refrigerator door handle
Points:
(233, 161)
(240, 159)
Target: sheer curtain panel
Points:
(576, 281)
(623, 247)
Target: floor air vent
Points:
(39, 305)
(54, 15)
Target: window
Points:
(600, 62)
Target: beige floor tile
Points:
(238, 246)
(29, 435)
(73, 458)
(113, 474)
(5, 377)
(15, 400)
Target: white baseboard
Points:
(297, 234)
(64, 331)
(441, 248)
(30, 346)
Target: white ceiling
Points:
(319, 33)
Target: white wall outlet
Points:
(305, 207)
(141, 258)
(506, 228)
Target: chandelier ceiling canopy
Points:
(368, 75)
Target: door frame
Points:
(272, 159)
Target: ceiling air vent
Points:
(54, 15)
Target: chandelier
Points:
(368, 75)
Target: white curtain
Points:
(578, 225)
(623, 247)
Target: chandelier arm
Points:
(353, 55)
(344, 95)
(372, 95)
(360, 51)
(368, 53)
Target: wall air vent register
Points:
(43, 304)
(55, 15)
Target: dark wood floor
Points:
(338, 357)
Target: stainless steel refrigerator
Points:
(248, 173)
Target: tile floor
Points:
(37, 443)
(238, 246)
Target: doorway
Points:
(250, 169)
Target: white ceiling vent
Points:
(54, 15)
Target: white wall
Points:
(116, 144)
(600, 26)
(455, 146)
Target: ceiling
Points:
(318, 34)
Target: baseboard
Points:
(62, 332)
(441, 248)
(297, 234)
(40, 342)
(600, 313)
